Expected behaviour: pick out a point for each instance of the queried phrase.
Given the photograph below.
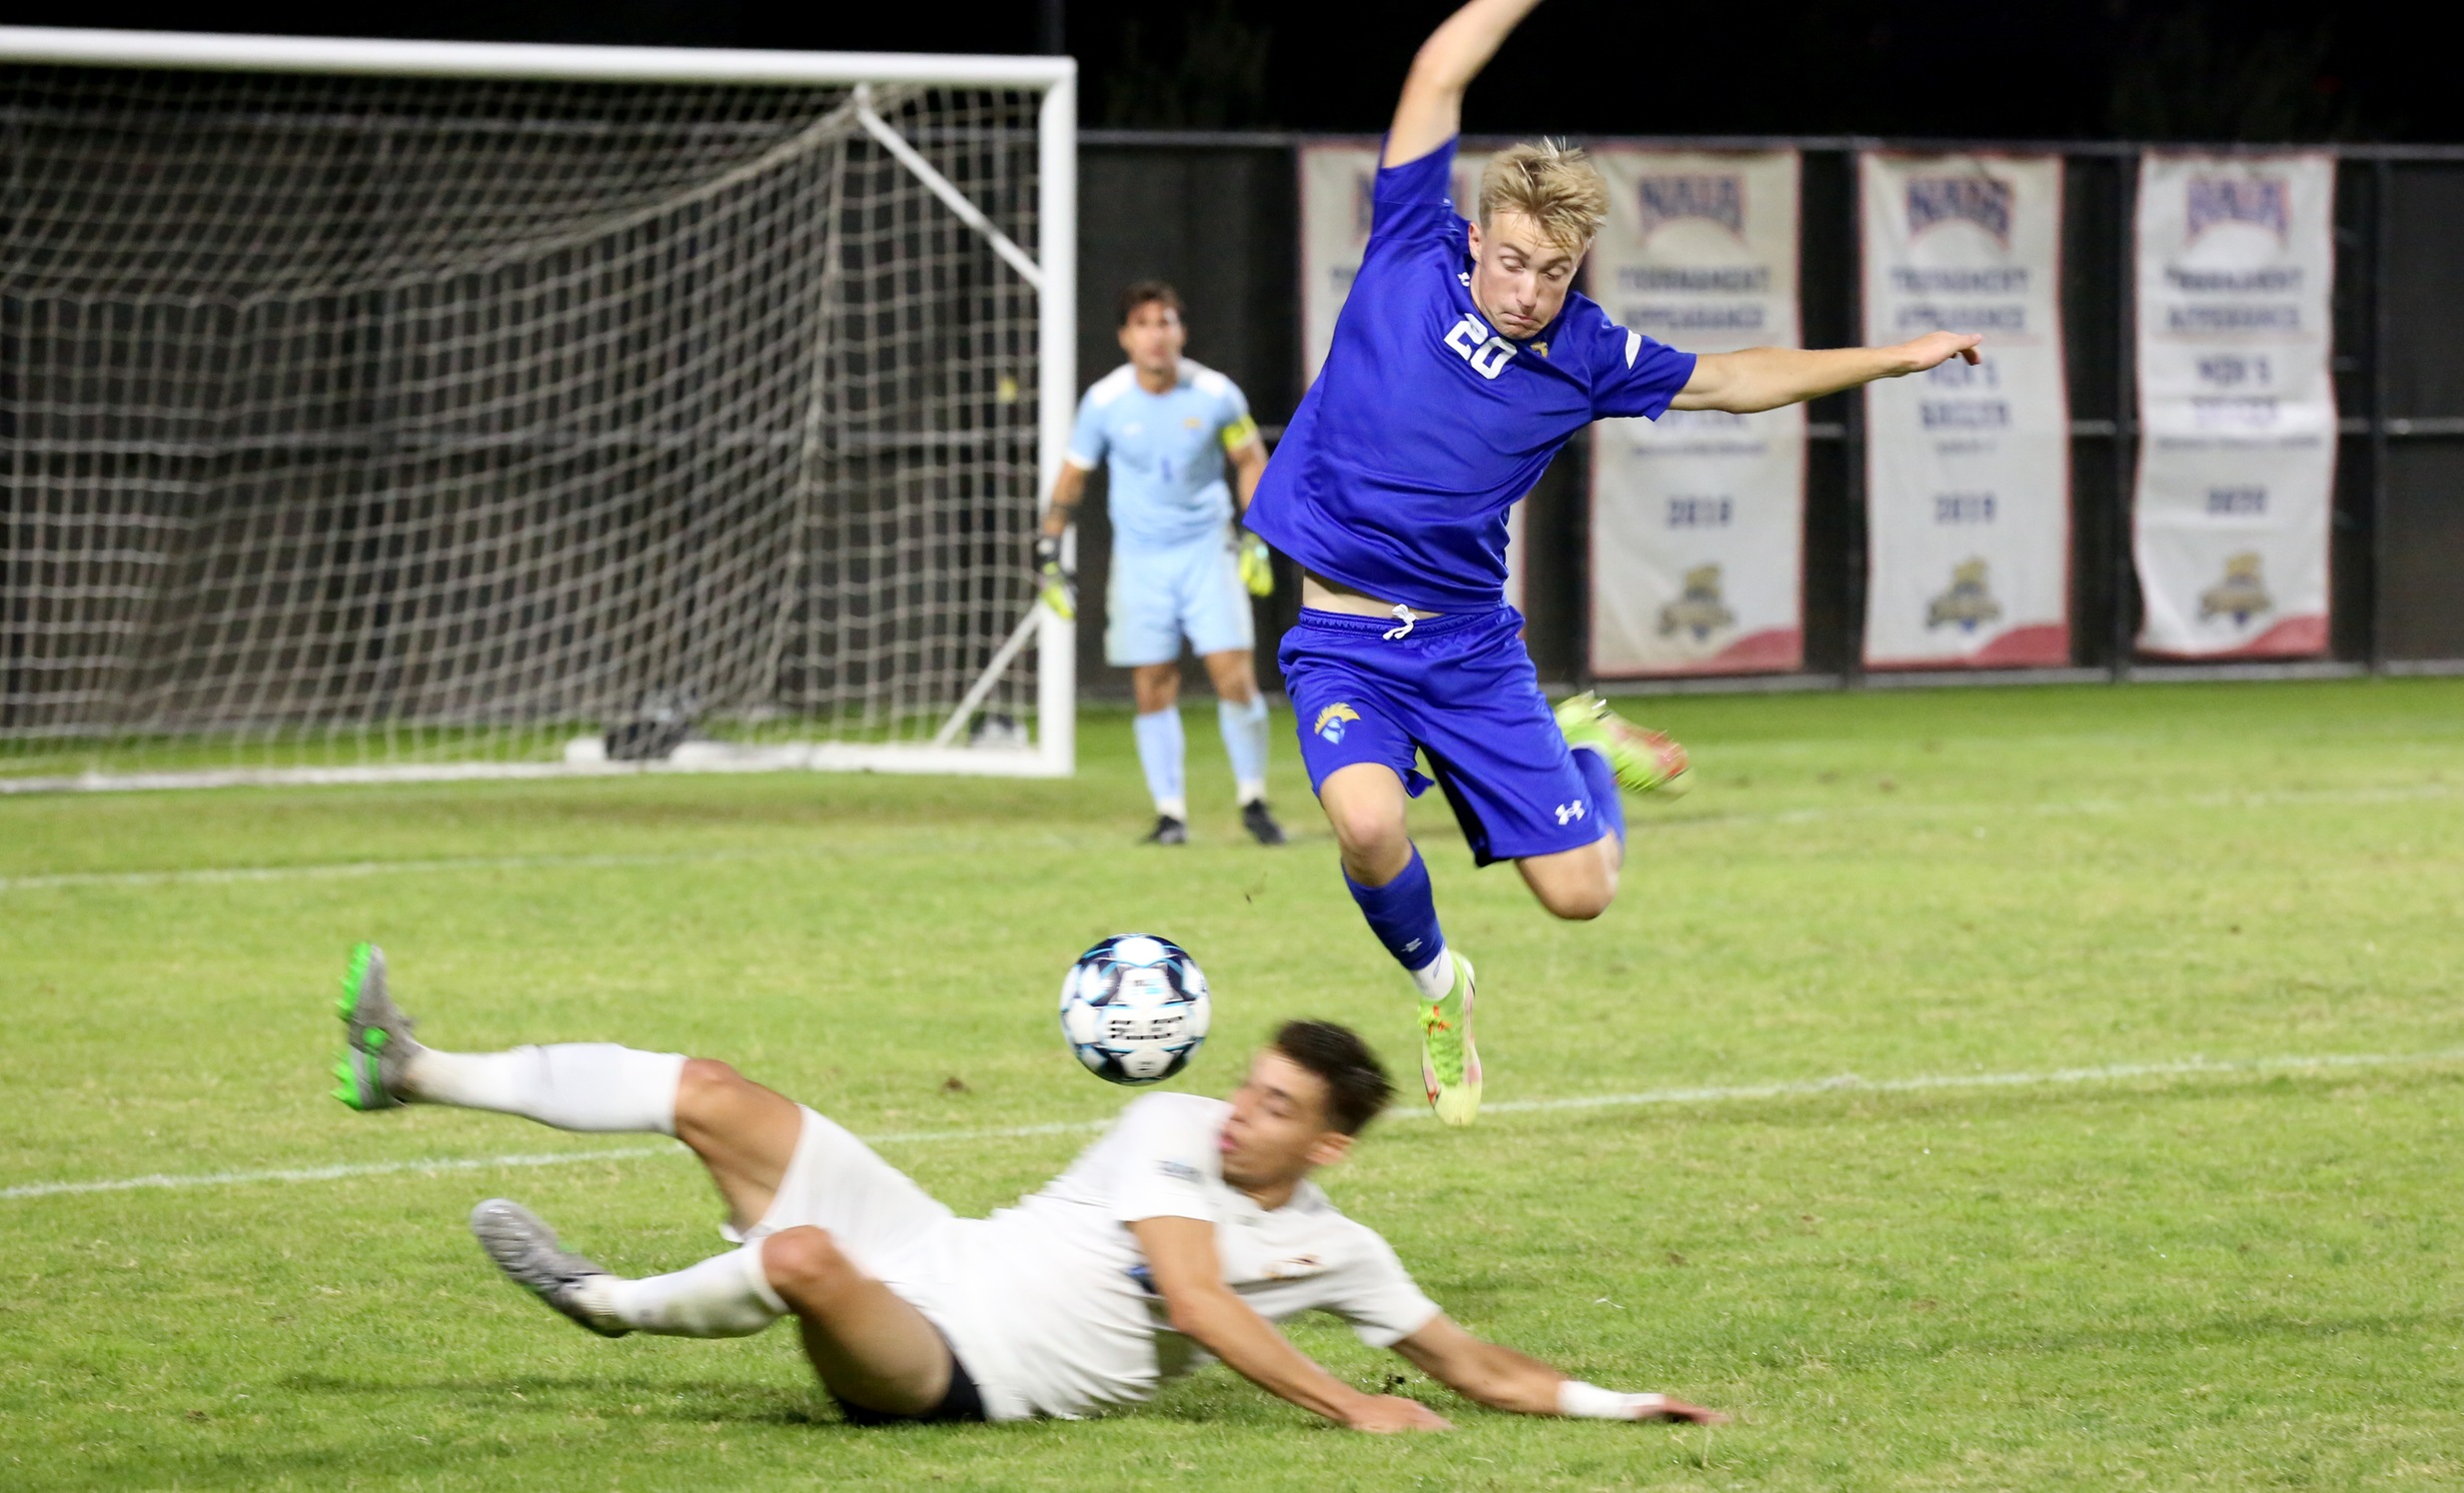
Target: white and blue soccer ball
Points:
(1134, 1008)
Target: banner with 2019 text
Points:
(2237, 412)
(1967, 468)
(1698, 518)
(1336, 182)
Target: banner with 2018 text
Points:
(1967, 468)
(2237, 412)
(1698, 518)
(1336, 182)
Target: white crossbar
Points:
(72, 46)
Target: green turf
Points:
(2241, 1278)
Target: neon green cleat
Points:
(377, 1041)
(1645, 760)
(1449, 1064)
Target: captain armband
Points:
(1239, 433)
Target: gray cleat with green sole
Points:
(376, 1042)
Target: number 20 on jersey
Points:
(1487, 359)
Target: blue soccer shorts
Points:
(1156, 596)
(1458, 688)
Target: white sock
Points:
(1436, 977)
(1173, 809)
(726, 1295)
(1249, 791)
(572, 1085)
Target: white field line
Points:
(344, 870)
(333, 871)
(1846, 1083)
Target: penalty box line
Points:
(322, 870)
(1846, 1083)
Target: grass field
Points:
(2204, 1268)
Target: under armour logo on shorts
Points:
(1566, 813)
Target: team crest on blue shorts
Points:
(1330, 722)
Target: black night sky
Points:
(2067, 69)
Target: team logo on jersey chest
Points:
(1488, 357)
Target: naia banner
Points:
(2237, 412)
(1698, 519)
(1335, 179)
(1967, 468)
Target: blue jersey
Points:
(1424, 426)
(1164, 451)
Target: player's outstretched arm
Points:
(1180, 1254)
(1431, 110)
(1497, 1376)
(1767, 378)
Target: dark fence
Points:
(1218, 214)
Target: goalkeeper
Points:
(1161, 425)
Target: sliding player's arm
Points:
(1180, 1254)
(1767, 378)
(1497, 1376)
(1431, 110)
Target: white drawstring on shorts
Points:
(1404, 616)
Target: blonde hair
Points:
(1552, 184)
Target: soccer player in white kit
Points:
(1161, 426)
(1184, 1233)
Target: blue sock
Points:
(1159, 753)
(1601, 778)
(1402, 914)
(1244, 740)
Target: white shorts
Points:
(1156, 596)
(1011, 1318)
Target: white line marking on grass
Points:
(1846, 1083)
(337, 870)
(1715, 820)
(338, 1172)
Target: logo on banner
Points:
(1700, 610)
(1713, 199)
(1330, 722)
(1935, 200)
(2259, 200)
(2241, 595)
(1969, 605)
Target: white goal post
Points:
(381, 410)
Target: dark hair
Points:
(1143, 291)
(1356, 1086)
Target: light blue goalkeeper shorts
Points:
(1156, 596)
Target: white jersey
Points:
(1050, 1305)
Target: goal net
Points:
(377, 410)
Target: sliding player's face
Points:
(1520, 275)
(1278, 1130)
(1153, 338)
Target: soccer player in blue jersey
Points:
(1163, 424)
(1462, 362)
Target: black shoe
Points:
(1168, 831)
(1260, 824)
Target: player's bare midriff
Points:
(1322, 595)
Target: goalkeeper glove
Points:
(1054, 582)
(1257, 565)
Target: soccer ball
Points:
(1134, 1008)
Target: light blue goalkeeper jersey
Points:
(1164, 451)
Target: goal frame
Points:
(1051, 272)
